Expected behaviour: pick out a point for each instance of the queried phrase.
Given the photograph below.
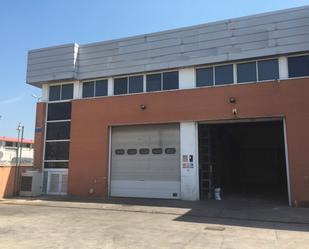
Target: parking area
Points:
(138, 223)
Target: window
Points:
(224, 75)
(119, 151)
(61, 92)
(246, 72)
(136, 84)
(57, 151)
(56, 165)
(144, 151)
(268, 69)
(67, 92)
(88, 89)
(58, 131)
(95, 88)
(157, 151)
(153, 82)
(170, 151)
(59, 111)
(101, 88)
(54, 93)
(159, 81)
(10, 144)
(27, 145)
(132, 151)
(298, 66)
(120, 86)
(204, 77)
(170, 80)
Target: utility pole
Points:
(16, 176)
(20, 156)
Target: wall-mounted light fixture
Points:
(142, 107)
(232, 100)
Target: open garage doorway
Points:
(243, 160)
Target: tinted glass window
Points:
(298, 66)
(57, 165)
(204, 77)
(120, 86)
(170, 151)
(57, 151)
(59, 111)
(9, 144)
(119, 151)
(88, 89)
(246, 72)
(170, 80)
(224, 75)
(157, 151)
(54, 93)
(144, 151)
(58, 131)
(136, 84)
(67, 91)
(101, 88)
(132, 151)
(268, 69)
(153, 82)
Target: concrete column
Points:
(77, 90)
(186, 78)
(45, 92)
(283, 68)
(110, 87)
(189, 161)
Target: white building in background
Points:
(8, 150)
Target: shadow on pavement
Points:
(253, 213)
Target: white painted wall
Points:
(189, 175)
(8, 155)
(45, 88)
(186, 78)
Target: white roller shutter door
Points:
(145, 161)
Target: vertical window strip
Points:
(53, 140)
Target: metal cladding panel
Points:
(152, 173)
(50, 64)
(268, 34)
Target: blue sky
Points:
(30, 24)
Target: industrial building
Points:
(178, 113)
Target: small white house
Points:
(8, 151)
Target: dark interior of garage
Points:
(243, 160)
